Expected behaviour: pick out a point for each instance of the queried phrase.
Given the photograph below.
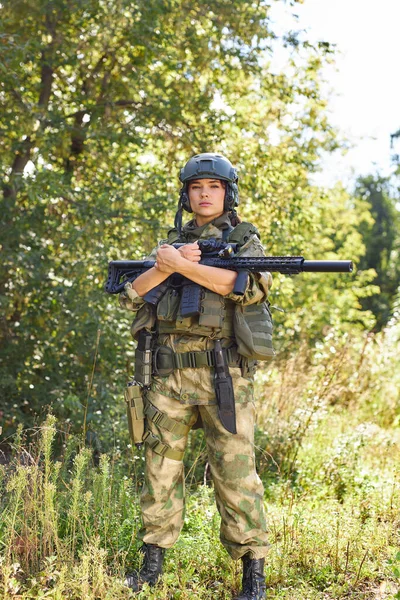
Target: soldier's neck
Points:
(203, 220)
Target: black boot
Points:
(151, 569)
(253, 580)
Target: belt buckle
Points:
(158, 417)
(192, 360)
(210, 358)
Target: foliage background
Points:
(102, 103)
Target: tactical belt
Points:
(166, 360)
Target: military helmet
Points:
(210, 166)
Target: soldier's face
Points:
(206, 199)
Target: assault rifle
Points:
(215, 253)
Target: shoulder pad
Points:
(242, 232)
(173, 236)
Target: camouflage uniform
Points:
(187, 394)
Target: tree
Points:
(102, 101)
(381, 237)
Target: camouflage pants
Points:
(238, 488)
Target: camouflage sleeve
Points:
(129, 299)
(258, 284)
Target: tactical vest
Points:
(220, 317)
(217, 312)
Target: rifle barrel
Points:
(327, 266)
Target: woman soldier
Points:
(183, 390)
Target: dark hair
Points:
(234, 218)
(222, 182)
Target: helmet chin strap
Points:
(178, 217)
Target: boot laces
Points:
(253, 580)
(152, 561)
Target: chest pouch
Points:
(253, 331)
(212, 311)
(167, 308)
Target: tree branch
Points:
(21, 157)
(109, 103)
(23, 154)
(45, 82)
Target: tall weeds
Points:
(60, 516)
(356, 374)
(328, 443)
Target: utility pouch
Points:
(253, 331)
(167, 308)
(144, 358)
(135, 412)
(212, 310)
(163, 361)
(145, 319)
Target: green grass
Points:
(328, 446)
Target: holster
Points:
(135, 412)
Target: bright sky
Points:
(366, 106)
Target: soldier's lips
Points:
(205, 204)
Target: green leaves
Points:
(380, 229)
(102, 103)
(395, 568)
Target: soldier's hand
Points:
(168, 259)
(191, 252)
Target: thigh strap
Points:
(160, 448)
(164, 421)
